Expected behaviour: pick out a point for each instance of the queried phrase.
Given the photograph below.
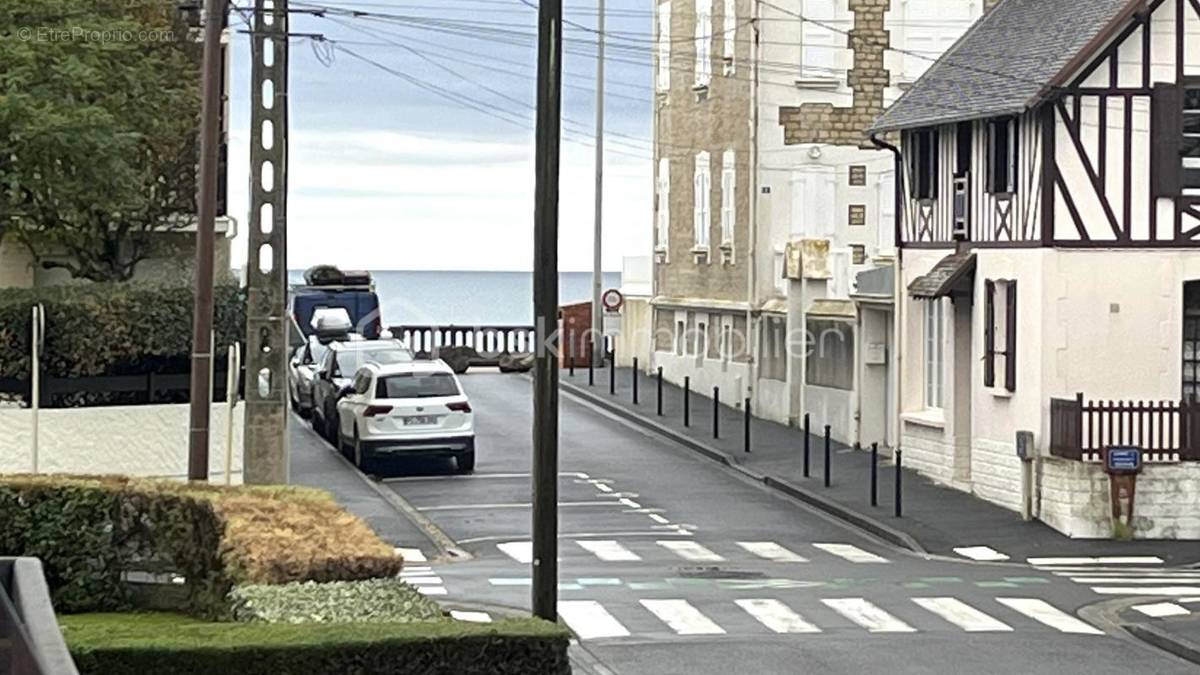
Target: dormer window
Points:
(1002, 156)
(923, 164)
(1175, 133)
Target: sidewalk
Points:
(1177, 635)
(935, 519)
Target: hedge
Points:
(136, 644)
(112, 329)
(89, 530)
(374, 600)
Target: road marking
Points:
(690, 550)
(1159, 610)
(609, 551)
(510, 581)
(682, 617)
(851, 553)
(1125, 572)
(521, 551)
(476, 476)
(867, 615)
(652, 532)
(473, 617)
(1143, 590)
(962, 615)
(602, 487)
(1047, 614)
(1133, 580)
(777, 616)
(1103, 560)
(658, 519)
(590, 620)
(431, 590)
(630, 503)
(423, 581)
(981, 553)
(416, 571)
(771, 551)
(511, 505)
(411, 554)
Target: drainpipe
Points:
(897, 286)
(752, 272)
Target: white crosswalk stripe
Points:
(411, 554)
(1045, 613)
(590, 620)
(690, 550)
(609, 551)
(962, 615)
(1159, 610)
(1166, 591)
(472, 617)
(521, 551)
(777, 616)
(867, 615)
(981, 553)
(771, 551)
(850, 552)
(1102, 560)
(1123, 575)
(432, 590)
(682, 617)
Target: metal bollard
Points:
(807, 437)
(898, 474)
(874, 474)
(687, 401)
(827, 455)
(592, 365)
(571, 356)
(635, 380)
(660, 391)
(612, 371)
(747, 417)
(716, 412)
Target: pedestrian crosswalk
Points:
(688, 550)
(1124, 575)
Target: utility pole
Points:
(545, 311)
(597, 270)
(265, 460)
(202, 312)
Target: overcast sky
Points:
(385, 174)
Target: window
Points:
(1191, 341)
(1002, 155)
(779, 265)
(962, 158)
(362, 382)
(416, 385)
(664, 202)
(726, 345)
(1000, 324)
(934, 354)
(662, 78)
(728, 198)
(1190, 148)
(700, 344)
(350, 360)
(831, 356)
(923, 163)
(774, 349)
(702, 183)
(680, 333)
(729, 39)
(820, 43)
(703, 42)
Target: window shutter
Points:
(1166, 131)
(1010, 337)
(1014, 143)
(989, 333)
(664, 47)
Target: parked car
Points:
(302, 372)
(342, 360)
(405, 409)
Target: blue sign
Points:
(1124, 459)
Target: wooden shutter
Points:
(1166, 132)
(1010, 337)
(989, 333)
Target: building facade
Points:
(1050, 246)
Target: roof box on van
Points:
(329, 275)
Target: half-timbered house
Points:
(1049, 231)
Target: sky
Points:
(411, 141)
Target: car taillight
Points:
(459, 406)
(373, 410)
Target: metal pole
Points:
(826, 455)
(716, 412)
(612, 371)
(202, 312)
(807, 436)
(635, 380)
(898, 458)
(231, 380)
(545, 302)
(874, 474)
(571, 353)
(746, 431)
(592, 365)
(687, 400)
(597, 248)
(35, 376)
(660, 391)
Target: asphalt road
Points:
(671, 563)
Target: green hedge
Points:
(137, 644)
(112, 329)
(89, 530)
(373, 600)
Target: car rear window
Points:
(350, 360)
(416, 385)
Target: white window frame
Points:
(703, 43)
(725, 347)
(728, 198)
(702, 201)
(729, 39)
(662, 78)
(934, 343)
(663, 230)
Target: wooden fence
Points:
(1080, 429)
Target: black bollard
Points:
(592, 365)
(898, 474)
(747, 429)
(571, 356)
(827, 455)
(716, 412)
(660, 391)
(874, 474)
(612, 371)
(687, 401)
(807, 436)
(635, 380)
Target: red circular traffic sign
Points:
(612, 300)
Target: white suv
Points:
(416, 408)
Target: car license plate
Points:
(420, 420)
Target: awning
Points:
(954, 274)
(841, 310)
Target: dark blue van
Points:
(327, 287)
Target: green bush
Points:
(137, 644)
(111, 329)
(374, 600)
(89, 530)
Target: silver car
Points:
(302, 371)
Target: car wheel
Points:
(361, 460)
(466, 462)
(331, 428)
(314, 420)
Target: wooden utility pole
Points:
(265, 446)
(545, 311)
(202, 313)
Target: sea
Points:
(468, 297)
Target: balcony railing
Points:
(1168, 431)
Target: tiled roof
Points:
(1004, 63)
(944, 277)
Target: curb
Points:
(872, 525)
(1153, 635)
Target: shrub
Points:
(89, 530)
(111, 329)
(157, 643)
(373, 600)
